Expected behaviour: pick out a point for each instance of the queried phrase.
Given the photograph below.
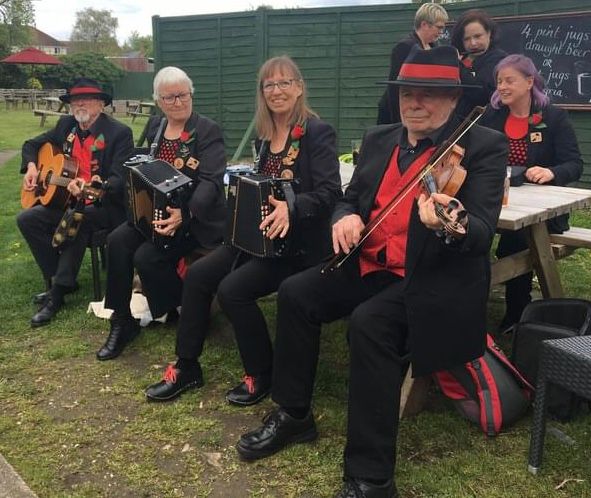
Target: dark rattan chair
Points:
(565, 363)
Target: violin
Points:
(446, 177)
(443, 173)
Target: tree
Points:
(138, 43)
(15, 17)
(94, 30)
(86, 64)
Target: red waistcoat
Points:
(389, 238)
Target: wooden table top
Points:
(530, 204)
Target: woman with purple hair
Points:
(541, 140)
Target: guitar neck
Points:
(60, 181)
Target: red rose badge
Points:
(99, 143)
(297, 132)
(536, 119)
(184, 136)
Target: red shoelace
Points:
(169, 374)
(249, 381)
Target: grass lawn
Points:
(76, 427)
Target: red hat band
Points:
(429, 72)
(84, 90)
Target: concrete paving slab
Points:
(11, 484)
(7, 155)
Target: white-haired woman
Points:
(294, 144)
(194, 145)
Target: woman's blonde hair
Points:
(264, 123)
(431, 13)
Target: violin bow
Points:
(338, 259)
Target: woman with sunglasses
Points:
(294, 144)
(194, 145)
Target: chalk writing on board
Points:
(559, 45)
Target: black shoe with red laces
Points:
(252, 389)
(175, 382)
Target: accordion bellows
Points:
(152, 185)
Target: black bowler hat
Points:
(438, 67)
(86, 87)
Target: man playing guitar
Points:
(98, 146)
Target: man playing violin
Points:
(412, 295)
(100, 145)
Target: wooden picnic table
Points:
(530, 206)
(53, 107)
(55, 104)
(140, 109)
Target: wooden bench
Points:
(45, 113)
(135, 114)
(575, 237)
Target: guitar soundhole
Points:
(47, 179)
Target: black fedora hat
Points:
(86, 87)
(436, 68)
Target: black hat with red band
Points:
(85, 87)
(438, 68)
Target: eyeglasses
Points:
(440, 27)
(171, 99)
(282, 85)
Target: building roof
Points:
(39, 38)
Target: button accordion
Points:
(152, 185)
(248, 205)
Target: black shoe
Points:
(250, 391)
(356, 488)
(47, 312)
(279, 430)
(174, 383)
(42, 297)
(123, 331)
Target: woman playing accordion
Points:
(193, 144)
(295, 144)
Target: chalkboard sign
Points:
(559, 45)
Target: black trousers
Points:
(38, 224)
(128, 248)
(377, 337)
(239, 281)
(518, 289)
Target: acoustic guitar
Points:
(56, 171)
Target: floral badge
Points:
(535, 121)
(297, 132)
(186, 138)
(98, 144)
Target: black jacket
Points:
(446, 286)
(482, 74)
(557, 150)
(207, 205)
(118, 148)
(316, 169)
(388, 106)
